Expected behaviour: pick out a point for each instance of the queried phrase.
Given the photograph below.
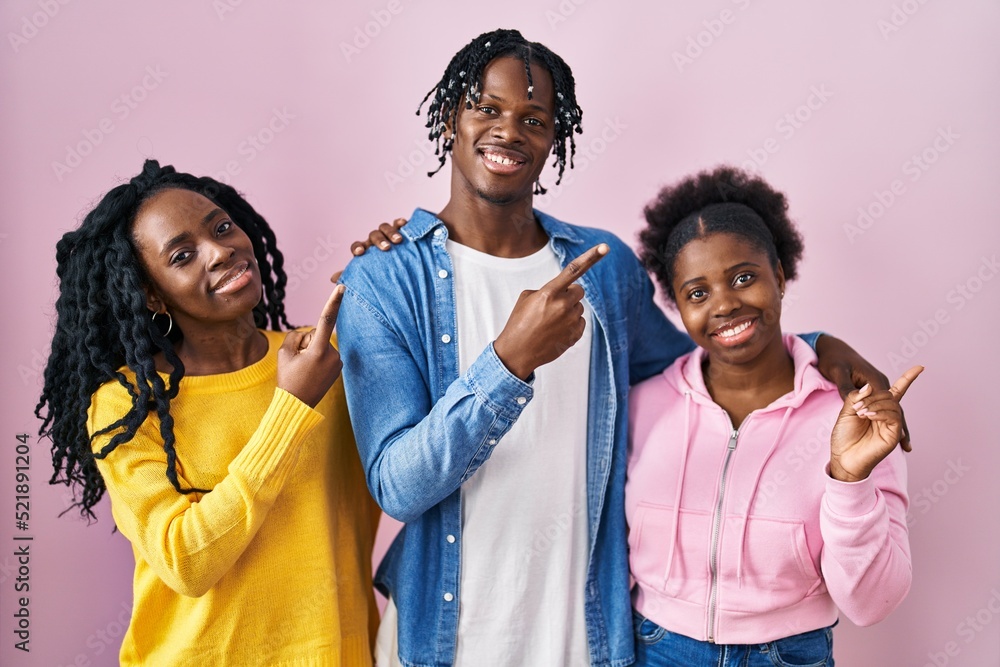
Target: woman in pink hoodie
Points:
(749, 524)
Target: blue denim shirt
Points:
(423, 429)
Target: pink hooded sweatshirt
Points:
(742, 537)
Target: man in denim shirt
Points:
(514, 548)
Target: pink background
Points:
(339, 150)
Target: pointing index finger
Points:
(577, 268)
(328, 318)
(900, 386)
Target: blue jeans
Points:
(656, 647)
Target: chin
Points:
(498, 198)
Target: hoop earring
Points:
(170, 322)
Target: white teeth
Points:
(230, 281)
(499, 159)
(739, 328)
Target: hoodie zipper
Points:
(716, 529)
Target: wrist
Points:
(517, 367)
(841, 474)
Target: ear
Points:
(153, 301)
(780, 273)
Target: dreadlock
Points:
(103, 324)
(724, 200)
(463, 78)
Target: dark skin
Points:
(203, 273)
(502, 222)
(729, 295)
(500, 147)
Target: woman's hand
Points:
(840, 364)
(308, 364)
(868, 428)
(382, 238)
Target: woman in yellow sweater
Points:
(225, 448)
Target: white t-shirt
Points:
(524, 512)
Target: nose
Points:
(219, 254)
(506, 128)
(724, 303)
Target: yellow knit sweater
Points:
(273, 567)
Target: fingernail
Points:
(865, 388)
(384, 245)
(858, 405)
(397, 238)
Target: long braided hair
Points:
(463, 79)
(103, 324)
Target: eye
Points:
(697, 294)
(180, 257)
(487, 110)
(223, 227)
(744, 279)
(534, 122)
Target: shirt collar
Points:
(423, 222)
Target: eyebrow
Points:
(184, 236)
(531, 103)
(729, 270)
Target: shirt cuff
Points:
(502, 391)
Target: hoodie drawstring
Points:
(680, 485)
(753, 495)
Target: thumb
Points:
(295, 341)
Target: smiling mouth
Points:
(734, 334)
(236, 278)
(501, 160)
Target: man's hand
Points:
(548, 321)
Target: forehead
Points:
(718, 251)
(170, 210)
(505, 78)
(175, 205)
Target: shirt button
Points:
(521, 400)
(442, 274)
(446, 338)
(493, 441)
(448, 597)
(451, 539)
(438, 232)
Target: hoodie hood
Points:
(686, 376)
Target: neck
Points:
(743, 388)
(502, 230)
(213, 349)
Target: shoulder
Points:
(376, 264)
(582, 236)
(671, 382)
